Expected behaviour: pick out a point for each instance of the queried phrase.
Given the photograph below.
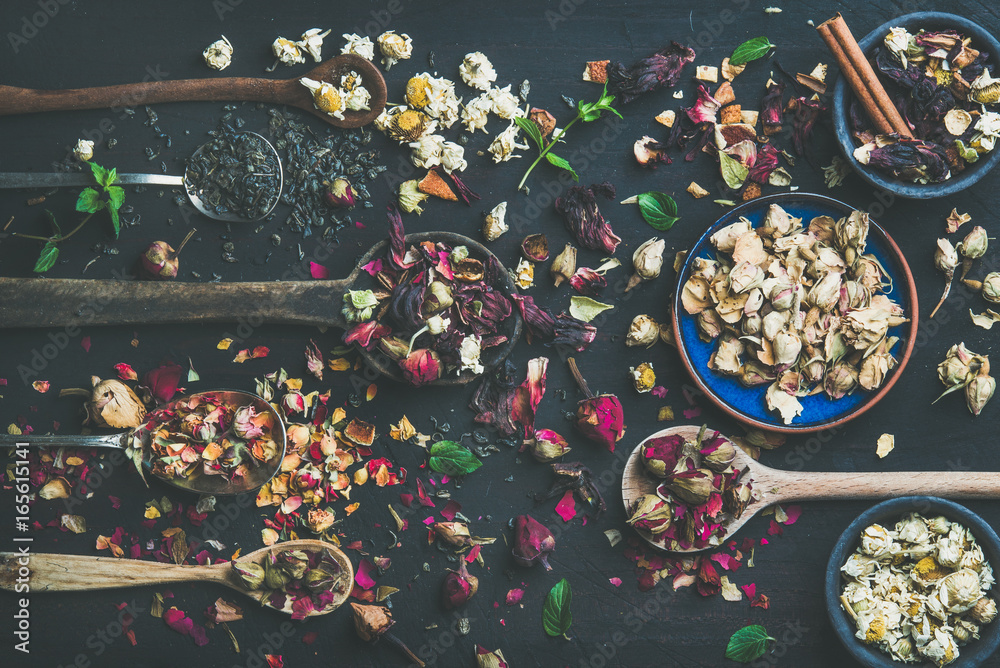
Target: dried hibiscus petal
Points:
(572, 332)
(493, 400)
(539, 321)
(770, 108)
(584, 219)
(421, 367)
(660, 70)
(529, 394)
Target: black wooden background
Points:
(89, 43)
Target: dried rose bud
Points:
(647, 260)
(494, 225)
(825, 293)
(455, 534)
(545, 121)
(736, 498)
(718, 453)
(851, 235)
(437, 298)
(840, 380)
(991, 287)
(709, 324)
(945, 256)
(692, 487)
(394, 347)
(650, 513)
(787, 346)
(648, 152)
(421, 367)
(535, 247)
(548, 446)
(601, 419)
(459, 587)
(341, 194)
(979, 391)
(275, 577)
(250, 574)
(644, 331)
(564, 265)
(159, 261)
(371, 621)
(770, 108)
(293, 402)
(319, 520)
(533, 543)
(975, 244)
(294, 563)
(661, 455)
(643, 377)
(112, 404)
(488, 659)
(956, 368)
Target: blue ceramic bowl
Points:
(747, 404)
(887, 514)
(842, 96)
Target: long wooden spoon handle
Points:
(67, 572)
(870, 485)
(23, 100)
(36, 302)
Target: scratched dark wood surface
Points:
(86, 44)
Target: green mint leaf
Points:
(55, 225)
(452, 459)
(734, 172)
(114, 220)
(748, 644)
(531, 130)
(110, 177)
(556, 614)
(47, 257)
(562, 163)
(100, 174)
(116, 196)
(89, 201)
(752, 49)
(659, 210)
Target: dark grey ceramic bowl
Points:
(842, 95)
(888, 513)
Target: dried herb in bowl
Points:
(918, 591)
(942, 85)
(800, 309)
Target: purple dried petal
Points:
(463, 190)
(584, 219)
(662, 69)
(576, 334)
(806, 114)
(586, 281)
(770, 107)
(494, 398)
(767, 162)
(397, 240)
(539, 322)
(405, 303)
(705, 109)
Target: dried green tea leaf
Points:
(585, 308)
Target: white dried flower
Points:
(427, 151)
(440, 101)
(356, 96)
(453, 157)
(326, 97)
(475, 113)
(524, 274)
(84, 150)
(494, 225)
(989, 125)
(361, 46)
(287, 52)
(312, 43)
(505, 103)
(219, 54)
(503, 146)
(469, 352)
(477, 71)
(394, 47)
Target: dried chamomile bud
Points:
(984, 611)
(219, 54)
(287, 52)
(326, 97)
(644, 331)
(312, 43)
(84, 150)
(477, 71)
(394, 47)
(643, 377)
(503, 146)
(361, 46)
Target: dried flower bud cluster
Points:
(963, 369)
(799, 309)
(919, 591)
(699, 491)
(300, 582)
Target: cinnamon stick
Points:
(861, 76)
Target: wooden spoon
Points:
(77, 303)
(70, 572)
(224, 89)
(778, 486)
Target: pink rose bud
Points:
(548, 445)
(660, 455)
(159, 261)
(341, 194)
(532, 542)
(459, 587)
(421, 367)
(601, 419)
(293, 402)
